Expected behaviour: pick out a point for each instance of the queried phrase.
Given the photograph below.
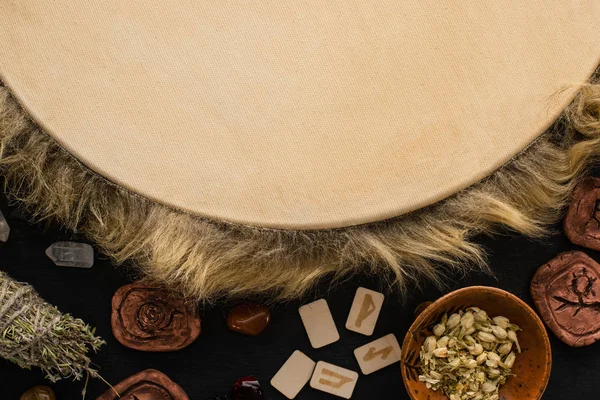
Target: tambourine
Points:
(235, 148)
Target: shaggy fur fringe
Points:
(206, 260)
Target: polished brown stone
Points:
(566, 291)
(249, 319)
(150, 318)
(146, 385)
(39, 393)
(582, 222)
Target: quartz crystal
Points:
(71, 254)
(4, 228)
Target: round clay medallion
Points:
(38, 393)
(151, 318)
(146, 385)
(248, 319)
(566, 291)
(582, 222)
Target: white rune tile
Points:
(293, 375)
(319, 323)
(364, 311)
(334, 380)
(378, 354)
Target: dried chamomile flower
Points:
(470, 355)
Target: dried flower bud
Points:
(502, 322)
(441, 352)
(512, 336)
(480, 316)
(467, 320)
(488, 387)
(491, 363)
(505, 348)
(481, 358)
(486, 337)
(436, 375)
(453, 321)
(454, 364)
(443, 341)
(499, 332)
(494, 356)
(488, 346)
(510, 360)
(439, 330)
(493, 373)
(476, 350)
(430, 344)
(464, 358)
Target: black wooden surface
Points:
(211, 365)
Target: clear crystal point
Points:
(71, 254)
(4, 228)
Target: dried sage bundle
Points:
(470, 355)
(34, 333)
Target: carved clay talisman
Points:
(566, 292)
(582, 222)
(150, 318)
(146, 385)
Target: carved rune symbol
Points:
(368, 308)
(384, 353)
(342, 380)
(582, 285)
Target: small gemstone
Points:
(248, 319)
(4, 228)
(71, 254)
(247, 388)
(38, 393)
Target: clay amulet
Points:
(582, 222)
(566, 292)
(146, 385)
(248, 319)
(38, 393)
(150, 318)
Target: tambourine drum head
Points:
(296, 114)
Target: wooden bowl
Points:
(532, 367)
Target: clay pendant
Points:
(146, 385)
(582, 222)
(149, 318)
(566, 292)
(38, 393)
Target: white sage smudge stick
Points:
(34, 333)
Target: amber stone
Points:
(38, 393)
(151, 318)
(566, 292)
(146, 385)
(582, 222)
(247, 388)
(248, 319)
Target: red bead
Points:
(247, 388)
